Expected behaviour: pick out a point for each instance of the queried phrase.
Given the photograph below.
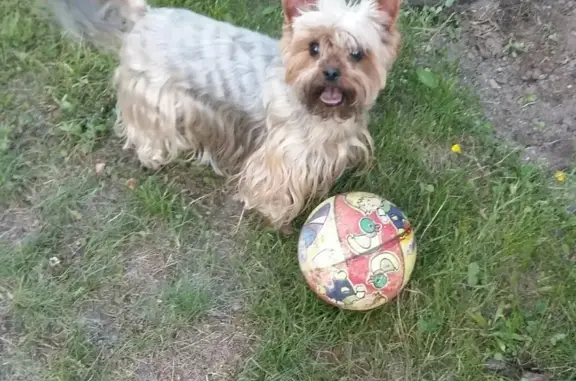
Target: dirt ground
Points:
(520, 56)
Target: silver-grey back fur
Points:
(212, 58)
(220, 61)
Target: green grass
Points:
(100, 281)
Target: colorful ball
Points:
(357, 251)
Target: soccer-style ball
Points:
(357, 251)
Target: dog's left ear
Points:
(391, 8)
(292, 8)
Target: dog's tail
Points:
(99, 22)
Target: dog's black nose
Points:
(331, 73)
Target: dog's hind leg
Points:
(149, 116)
(162, 120)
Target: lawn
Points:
(112, 272)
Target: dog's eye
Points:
(314, 48)
(357, 55)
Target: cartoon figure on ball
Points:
(357, 251)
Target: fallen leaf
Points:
(131, 183)
(529, 376)
(498, 356)
(75, 214)
(427, 78)
(428, 325)
(228, 18)
(473, 271)
(557, 337)
(498, 366)
(494, 84)
(268, 10)
(99, 167)
(478, 318)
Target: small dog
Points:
(283, 119)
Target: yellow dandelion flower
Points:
(456, 148)
(560, 176)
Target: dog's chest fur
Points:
(217, 61)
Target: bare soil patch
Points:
(17, 225)
(212, 351)
(521, 57)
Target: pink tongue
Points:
(331, 96)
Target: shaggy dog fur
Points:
(283, 119)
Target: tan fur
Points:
(295, 165)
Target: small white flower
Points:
(54, 261)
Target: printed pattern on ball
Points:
(357, 251)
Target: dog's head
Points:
(337, 52)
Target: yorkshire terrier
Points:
(283, 119)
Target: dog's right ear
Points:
(292, 8)
(391, 8)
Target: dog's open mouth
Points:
(332, 96)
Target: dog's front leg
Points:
(277, 185)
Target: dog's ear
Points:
(391, 8)
(292, 8)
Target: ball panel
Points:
(409, 251)
(335, 287)
(318, 247)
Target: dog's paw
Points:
(286, 230)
